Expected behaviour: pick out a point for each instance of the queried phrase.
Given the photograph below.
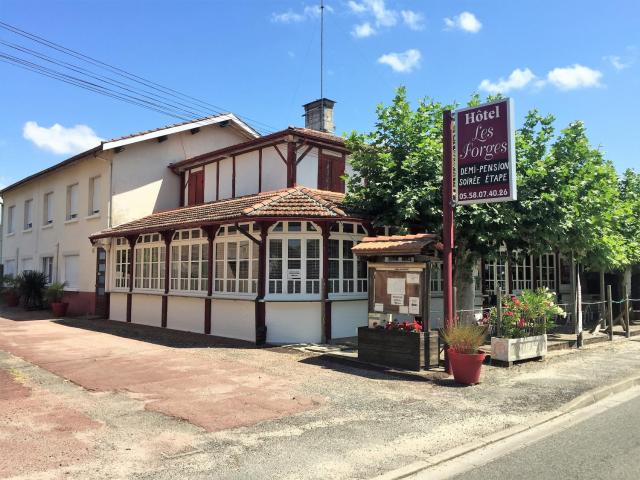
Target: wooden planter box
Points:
(397, 349)
(513, 349)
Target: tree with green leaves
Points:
(567, 192)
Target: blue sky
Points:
(575, 59)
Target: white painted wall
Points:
(233, 319)
(185, 313)
(274, 171)
(60, 237)
(226, 178)
(307, 172)
(346, 317)
(247, 173)
(118, 307)
(210, 175)
(293, 322)
(146, 309)
(142, 183)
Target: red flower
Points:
(521, 323)
(509, 313)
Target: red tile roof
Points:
(418, 244)
(296, 202)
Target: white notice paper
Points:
(397, 299)
(395, 286)
(414, 305)
(378, 307)
(413, 278)
(403, 309)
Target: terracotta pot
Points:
(12, 299)
(59, 309)
(466, 367)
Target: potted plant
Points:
(465, 358)
(54, 294)
(10, 291)
(524, 324)
(31, 285)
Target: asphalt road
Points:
(605, 446)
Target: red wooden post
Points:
(132, 239)
(210, 232)
(167, 237)
(324, 286)
(261, 323)
(447, 224)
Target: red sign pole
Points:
(447, 224)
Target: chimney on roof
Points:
(318, 115)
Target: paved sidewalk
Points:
(149, 407)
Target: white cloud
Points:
(622, 62)
(573, 77)
(382, 16)
(516, 80)
(413, 20)
(466, 21)
(308, 12)
(363, 30)
(357, 7)
(59, 139)
(404, 62)
(287, 17)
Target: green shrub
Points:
(31, 286)
(55, 292)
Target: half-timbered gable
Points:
(295, 156)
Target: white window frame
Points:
(233, 285)
(94, 195)
(47, 208)
(547, 271)
(283, 232)
(72, 210)
(491, 274)
(70, 285)
(121, 277)
(10, 271)
(11, 219)
(46, 262)
(144, 278)
(521, 267)
(193, 241)
(437, 278)
(25, 260)
(356, 285)
(28, 215)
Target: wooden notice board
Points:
(398, 288)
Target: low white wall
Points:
(146, 309)
(118, 306)
(233, 319)
(293, 322)
(184, 313)
(347, 316)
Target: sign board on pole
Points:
(485, 153)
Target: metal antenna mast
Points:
(322, 65)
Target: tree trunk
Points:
(603, 295)
(627, 282)
(466, 289)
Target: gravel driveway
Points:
(137, 402)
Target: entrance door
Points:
(101, 293)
